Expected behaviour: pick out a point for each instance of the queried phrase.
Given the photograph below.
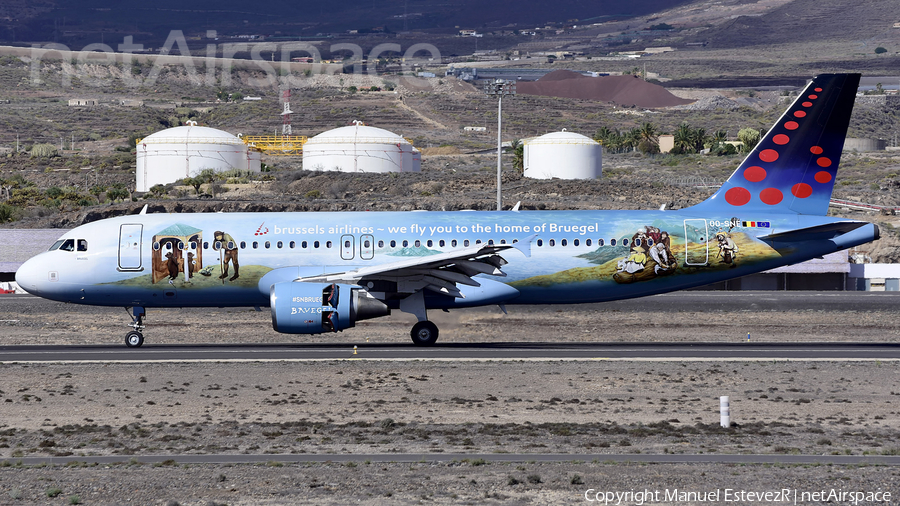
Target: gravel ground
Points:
(356, 407)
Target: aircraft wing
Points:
(437, 273)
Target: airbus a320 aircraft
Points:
(323, 272)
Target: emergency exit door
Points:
(696, 242)
(130, 247)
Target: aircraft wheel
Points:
(424, 333)
(134, 339)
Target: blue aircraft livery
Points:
(323, 272)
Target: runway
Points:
(455, 352)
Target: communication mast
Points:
(286, 114)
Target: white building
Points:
(185, 151)
(360, 148)
(563, 155)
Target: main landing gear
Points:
(135, 338)
(424, 333)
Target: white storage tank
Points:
(360, 148)
(185, 151)
(563, 155)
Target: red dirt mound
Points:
(622, 90)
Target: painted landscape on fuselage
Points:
(576, 256)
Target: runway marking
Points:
(524, 359)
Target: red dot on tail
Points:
(806, 104)
(813, 97)
(819, 90)
(771, 196)
(824, 161)
(823, 177)
(816, 150)
(792, 125)
(801, 190)
(768, 155)
(781, 139)
(799, 114)
(737, 196)
(754, 174)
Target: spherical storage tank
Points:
(185, 151)
(360, 148)
(563, 155)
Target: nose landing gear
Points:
(135, 338)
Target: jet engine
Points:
(313, 308)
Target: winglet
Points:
(525, 245)
(515, 208)
(144, 210)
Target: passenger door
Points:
(130, 247)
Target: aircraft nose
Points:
(31, 275)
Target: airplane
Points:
(325, 271)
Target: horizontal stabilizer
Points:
(816, 233)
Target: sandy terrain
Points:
(362, 406)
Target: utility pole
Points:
(499, 88)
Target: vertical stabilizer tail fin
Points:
(792, 169)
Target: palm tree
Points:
(518, 149)
(649, 140)
(684, 139)
(698, 139)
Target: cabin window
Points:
(217, 245)
(624, 242)
(418, 243)
(552, 242)
(206, 245)
(430, 243)
(515, 241)
(82, 244)
(180, 245)
(380, 244)
(564, 242)
(155, 246)
(587, 242)
(366, 244)
(279, 244)
(405, 243)
(575, 242)
(316, 244)
(649, 241)
(304, 245)
(612, 242)
(193, 244)
(502, 241)
(346, 244)
(328, 244)
(637, 242)
(441, 243)
(540, 243)
(466, 243)
(477, 241)
(453, 243)
(600, 242)
(292, 244)
(393, 244)
(255, 244)
(491, 242)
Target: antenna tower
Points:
(286, 114)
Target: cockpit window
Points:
(56, 245)
(82, 244)
(68, 245)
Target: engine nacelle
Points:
(313, 308)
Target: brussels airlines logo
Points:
(261, 230)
